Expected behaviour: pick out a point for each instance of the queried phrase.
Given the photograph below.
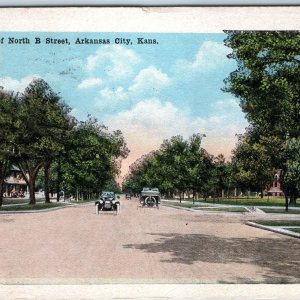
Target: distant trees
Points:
(38, 133)
(179, 166)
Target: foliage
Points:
(291, 178)
(38, 133)
(42, 132)
(267, 83)
(179, 166)
(92, 158)
(8, 107)
(252, 160)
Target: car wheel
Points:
(150, 201)
(97, 208)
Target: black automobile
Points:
(108, 202)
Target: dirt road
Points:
(168, 245)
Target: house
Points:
(14, 184)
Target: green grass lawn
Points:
(244, 201)
(185, 205)
(225, 209)
(38, 206)
(279, 223)
(20, 201)
(297, 230)
(280, 211)
(206, 207)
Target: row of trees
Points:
(267, 82)
(38, 134)
(183, 167)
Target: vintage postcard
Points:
(150, 152)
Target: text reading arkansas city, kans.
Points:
(78, 41)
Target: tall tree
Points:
(9, 125)
(291, 178)
(94, 158)
(42, 132)
(267, 81)
(253, 163)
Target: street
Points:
(145, 245)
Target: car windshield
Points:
(107, 195)
(146, 189)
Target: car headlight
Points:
(113, 201)
(101, 201)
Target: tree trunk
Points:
(286, 202)
(4, 166)
(32, 172)
(262, 193)
(31, 187)
(293, 200)
(58, 181)
(1, 192)
(46, 183)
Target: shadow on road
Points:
(280, 256)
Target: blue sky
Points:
(150, 92)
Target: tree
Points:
(41, 134)
(112, 186)
(199, 165)
(291, 178)
(8, 109)
(267, 83)
(253, 162)
(93, 159)
(178, 166)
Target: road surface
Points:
(74, 245)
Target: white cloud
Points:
(148, 81)
(15, 85)
(111, 100)
(114, 94)
(229, 103)
(114, 60)
(209, 57)
(150, 78)
(90, 82)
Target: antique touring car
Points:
(150, 197)
(108, 202)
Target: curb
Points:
(80, 205)
(178, 207)
(204, 211)
(276, 230)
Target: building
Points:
(14, 184)
(275, 189)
